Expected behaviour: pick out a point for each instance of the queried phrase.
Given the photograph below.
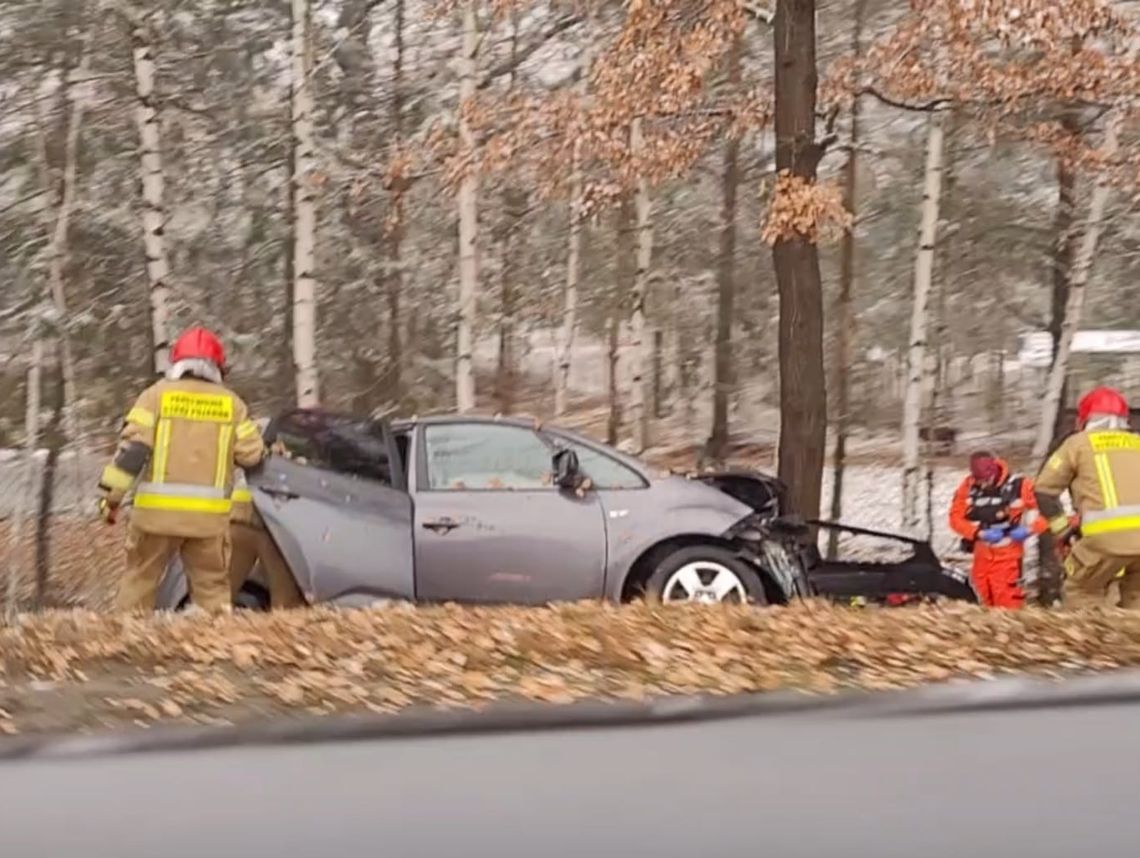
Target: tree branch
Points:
(525, 53)
(924, 107)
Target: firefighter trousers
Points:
(205, 561)
(1089, 574)
(996, 574)
(252, 544)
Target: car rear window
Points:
(334, 442)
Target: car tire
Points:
(251, 597)
(708, 574)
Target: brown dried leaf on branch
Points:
(802, 209)
(657, 67)
(1017, 66)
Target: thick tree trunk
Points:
(844, 314)
(803, 395)
(638, 413)
(153, 187)
(467, 203)
(916, 354)
(724, 367)
(16, 565)
(1074, 305)
(305, 212)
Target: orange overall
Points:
(1009, 502)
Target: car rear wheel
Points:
(705, 574)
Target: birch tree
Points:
(467, 204)
(569, 327)
(643, 209)
(153, 182)
(1074, 305)
(919, 320)
(845, 317)
(16, 564)
(305, 210)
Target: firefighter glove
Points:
(992, 535)
(1019, 533)
(107, 510)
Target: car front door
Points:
(490, 526)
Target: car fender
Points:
(628, 538)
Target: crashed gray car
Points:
(474, 509)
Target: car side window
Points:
(605, 472)
(485, 456)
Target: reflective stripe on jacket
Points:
(193, 433)
(242, 511)
(1101, 470)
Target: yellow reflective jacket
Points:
(181, 441)
(1101, 470)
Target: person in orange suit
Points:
(994, 512)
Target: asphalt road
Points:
(843, 782)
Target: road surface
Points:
(907, 779)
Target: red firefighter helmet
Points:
(1101, 400)
(199, 343)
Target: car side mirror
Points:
(565, 467)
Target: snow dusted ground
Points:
(872, 498)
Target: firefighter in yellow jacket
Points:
(1100, 467)
(181, 440)
(252, 543)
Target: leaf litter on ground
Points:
(85, 671)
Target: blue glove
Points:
(992, 535)
(1019, 533)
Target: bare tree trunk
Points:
(305, 212)
(395, 381)
(916, 356)
(933, 371)
(569, 329)
(47, 495)
(639, 416)
(31, 440)
(624, 273)
(803, 394)
(1074, 305)
(153, 187)
(726, 278)
(467, 203)
(513, 212)
(845, 317)
(1049, 574)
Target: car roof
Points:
(436, 419)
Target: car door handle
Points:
(441, 525)
(281, 494)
